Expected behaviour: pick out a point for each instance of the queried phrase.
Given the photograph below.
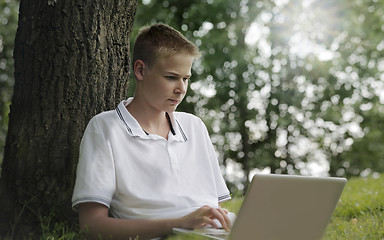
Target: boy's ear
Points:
(138, 69)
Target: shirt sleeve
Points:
(95, 175)
(223, 193)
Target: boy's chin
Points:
(170, 109)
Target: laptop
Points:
(282, 207)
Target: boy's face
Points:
(164, 85)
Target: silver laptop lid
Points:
(286, 207)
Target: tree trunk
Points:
(71, 62)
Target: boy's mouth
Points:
(174, 101)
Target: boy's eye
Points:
(171, 77)
(176, 78)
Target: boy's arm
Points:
(95, 220)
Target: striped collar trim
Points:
(134, 129)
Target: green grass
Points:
(358, 215)
(360, 212)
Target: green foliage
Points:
(58, 231)
(283, 85)
(280, 85)
(367, 152)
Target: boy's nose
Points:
(181, 87)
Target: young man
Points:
(144, 168)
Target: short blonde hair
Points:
(160, 40)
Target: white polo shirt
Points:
(141, 176)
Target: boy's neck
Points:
(150, 120)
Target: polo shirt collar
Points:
(179, 132)
(135, 130)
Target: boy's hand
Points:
(204, 216)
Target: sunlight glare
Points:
(306, 27)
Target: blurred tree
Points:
(280, 83)
(366, 154)
(8, 25)
(359, 90)
(71, 62)
(291, 86)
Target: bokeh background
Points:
(284, 86)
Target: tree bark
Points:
(71, 62)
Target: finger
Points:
(222, 219)
(216, 214)
(224, 213)
(210, 221)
